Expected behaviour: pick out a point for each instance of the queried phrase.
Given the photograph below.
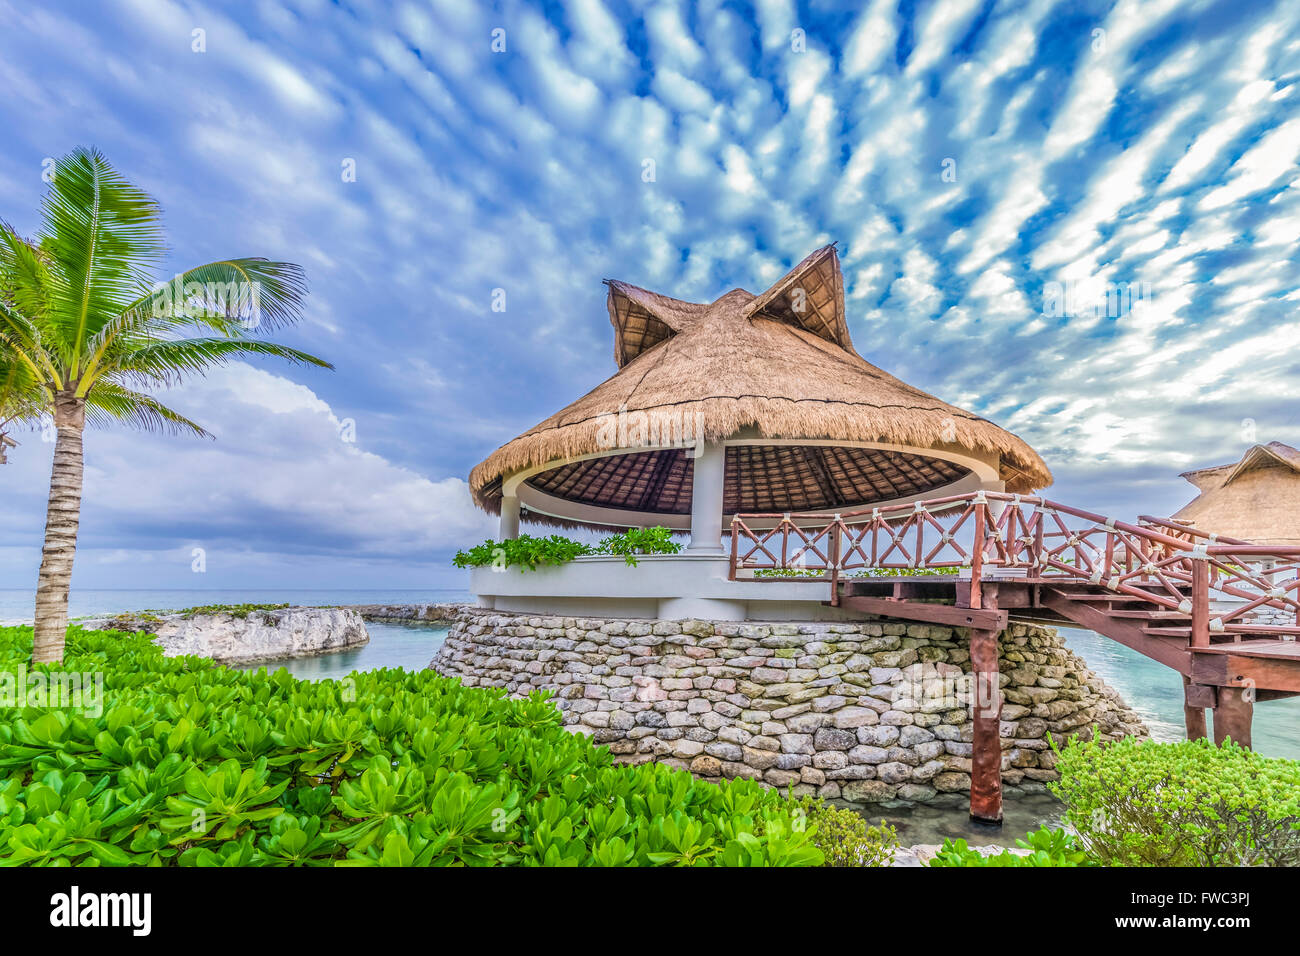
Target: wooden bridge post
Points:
(986, 741)
(977, 560)
(834, 556)
(1200, 603)
(1194, 710)
(1233, 714)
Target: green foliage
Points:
(82, 318)
(634, 541)
(1047, 847)
(845, 839)
(1180, 804)
(234, 610)
(525, 551)
(909, 572)
(528, 552)
(867, 573)
(193, 764)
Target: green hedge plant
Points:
(1180, 804)
(188, 763)
(1046, 846)
(529, 553)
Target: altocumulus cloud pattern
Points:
(1078, 219)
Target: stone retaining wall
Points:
(864, 712)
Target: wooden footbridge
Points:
(1220, 611)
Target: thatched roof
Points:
(1256, 499)
(780, 365)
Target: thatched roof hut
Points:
(1256, 499)
(798, 419)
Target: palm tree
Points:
(82, 316)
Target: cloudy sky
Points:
(990, 170)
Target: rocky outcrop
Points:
(256, 636)
(400, 613)
(869, 712)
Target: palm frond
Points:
(231, 297)
(24, 274)
(111, 402)
(171, 362)
(105, 236)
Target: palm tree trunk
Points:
(61, 520)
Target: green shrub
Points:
(845, 839)
(634, 541)
(524, 551)
(528, 552)
(909, 572)
(1048, 848)
(193, 764)
(1180, 804)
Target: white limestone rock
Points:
(260, 636)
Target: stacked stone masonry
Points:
(871, 712)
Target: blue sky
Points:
(973, 159)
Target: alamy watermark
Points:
(661, 428)
(1083, 297)
(64, 690)
(234, 300)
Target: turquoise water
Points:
(1156, 693)
(410, 646)
(16, 603)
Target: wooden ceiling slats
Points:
(757, 478)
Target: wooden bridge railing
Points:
(1000, 535)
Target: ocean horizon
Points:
(17, 604)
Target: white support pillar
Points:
(509, 527)
(706, 499)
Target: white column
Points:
(509, 527)
(706, 500)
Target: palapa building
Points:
(1255, 499)
(750, 403)
(760, 404)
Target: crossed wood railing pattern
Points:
(1170, 566)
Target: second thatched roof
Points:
(780, 364)
(1256, 499)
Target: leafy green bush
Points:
(845, 839)
(1048, 848)
(1180, 804)
(909, 572)
(192, 764)
(524, 551)
(528, 552)
(634, 541)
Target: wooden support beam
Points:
(1233, 714)
(1095, 619)
(658, 478)
(1233, 665)
(932, 613)
(986, 742)
(1196, 697)
(814, 457)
